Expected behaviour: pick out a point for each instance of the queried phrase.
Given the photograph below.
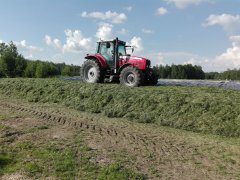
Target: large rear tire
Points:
(131, 76)
(91, 72)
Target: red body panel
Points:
(135, 61)
(99, 57)
(139, 62)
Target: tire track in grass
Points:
(155, 144)
(151, 144)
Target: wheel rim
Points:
(130, 79)
(90, 74)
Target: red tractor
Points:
(111, 63)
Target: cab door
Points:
(107, 52)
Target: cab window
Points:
(121, 50)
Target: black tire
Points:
(131, 76)
(152, 78)
(91, 72)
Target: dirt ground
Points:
(156, 152)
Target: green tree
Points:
(168, 70)
(181, 72)
(67, 71)
(11, 63)
(7, 64)
(30, 69)
(174, 72)
(41, 70)
(20, 66)
(211, 75)
(187, 71)
(199, 74)
(3, 47)
(52, 69)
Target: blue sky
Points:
(201, 32)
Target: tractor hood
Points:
(139, 62)
(135, 58)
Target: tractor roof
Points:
(113, 40)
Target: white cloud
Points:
(147, 31)
(231, 58)
(1, 41)
(137, 43)
(112, 17)
(76, 42)
(230, 23)
(22, 45)
(181, 4)
(129, 8)
(235, 40)
(105, 31)
(208, 64)
(55, 42)
(48, 40)
(123, 31)
(28, 51)
(162, 11)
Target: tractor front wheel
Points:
(131, 76)
(91, 72)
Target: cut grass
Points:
(206, 110)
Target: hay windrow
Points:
(205, 110)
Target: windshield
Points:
(121, 50)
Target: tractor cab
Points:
(111, 51)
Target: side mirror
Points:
(132, 49)
(108, 45)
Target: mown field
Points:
(206, 110)
(56, 129)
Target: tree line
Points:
(226, 75)
(13, 64)
(187, 71)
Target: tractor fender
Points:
(125, 65)
(98, 58)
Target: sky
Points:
(200, 32)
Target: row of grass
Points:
(206, 110)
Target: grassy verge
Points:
(206, 110)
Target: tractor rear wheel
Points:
(131, 76)
(91, 72)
